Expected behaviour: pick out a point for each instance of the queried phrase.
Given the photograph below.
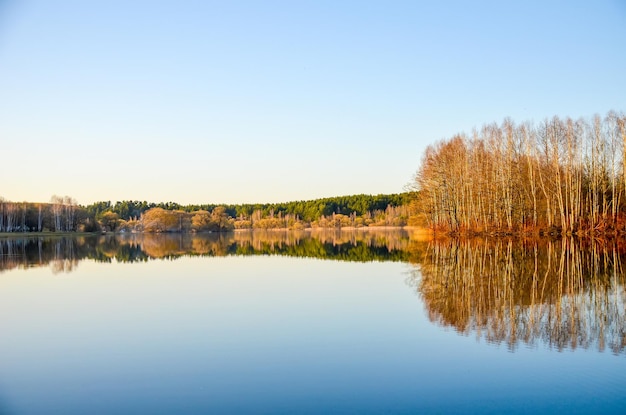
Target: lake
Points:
(346, 322)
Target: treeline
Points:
(336, 212)
(308, 211)
(560, 176)
(64, 215)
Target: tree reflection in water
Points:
(566, 294)
(63, 253)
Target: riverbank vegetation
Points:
(561, 176)
(63, 214)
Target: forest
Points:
(561, 176)
(63, 214)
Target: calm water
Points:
(266, 323)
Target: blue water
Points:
(268, 335)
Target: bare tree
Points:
(57, 211)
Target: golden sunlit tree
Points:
(561, 176)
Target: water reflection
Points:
(566, 294)
(62, 254)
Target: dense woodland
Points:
(63, 214)
(559, 176)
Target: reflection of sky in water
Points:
(266, 335)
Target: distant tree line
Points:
(308, 210)
(560, 176)
(335, 212)
(63, 214)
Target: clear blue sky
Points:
(266, 101)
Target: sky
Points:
(274, 101)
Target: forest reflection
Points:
(567, 293)
(63, 253)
